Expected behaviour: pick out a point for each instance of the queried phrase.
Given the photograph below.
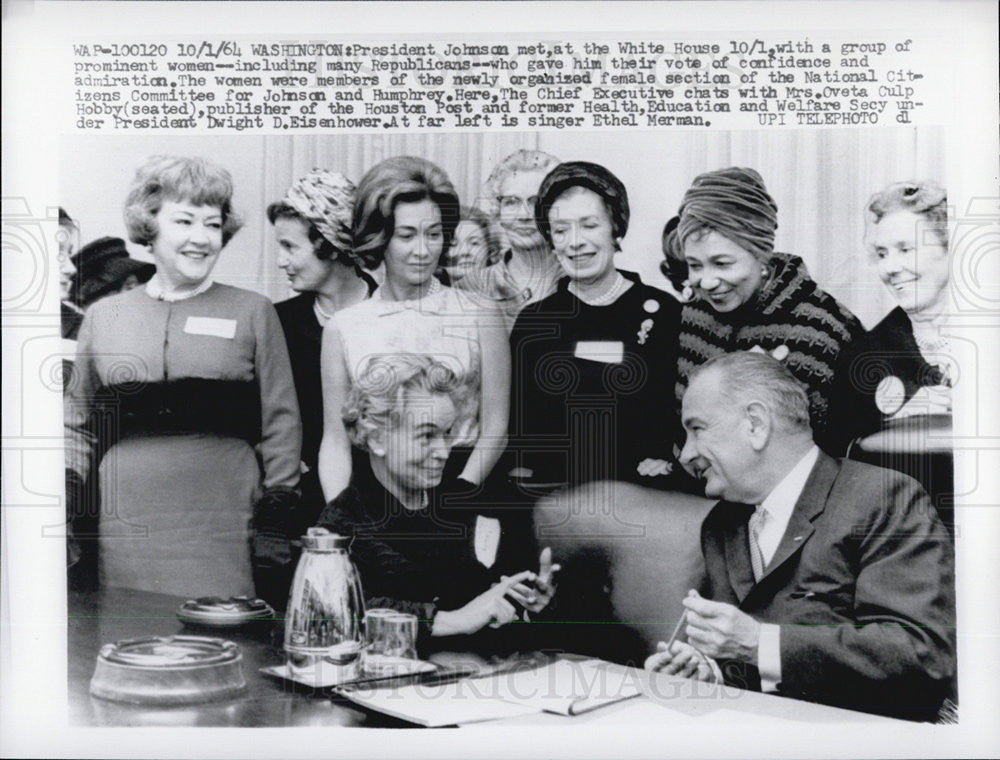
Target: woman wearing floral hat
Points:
(312, 226)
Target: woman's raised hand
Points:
(490, 607)
(536, 597)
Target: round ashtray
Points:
(216, 612)
(168, 670)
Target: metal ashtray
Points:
(168, 670)
(216, 612)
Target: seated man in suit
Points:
(827, 580)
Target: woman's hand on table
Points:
(682, 660)
(537, 596)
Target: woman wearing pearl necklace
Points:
(595, 361)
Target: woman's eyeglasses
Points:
(514, 202)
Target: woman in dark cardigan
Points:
(593, 362)
(453, 564)
(901, 372)
(744, 296)
(902, 367)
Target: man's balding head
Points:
(746, 417)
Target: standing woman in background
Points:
(746, 296)
(189, 376)
(904, 365)
(405, 214)
(312, 226)
(526, 272)
(474, 247)
(595, 360)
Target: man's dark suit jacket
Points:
(862, 584)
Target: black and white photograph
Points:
(546, 386)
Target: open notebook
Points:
(564, 687)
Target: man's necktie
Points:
(756, 556)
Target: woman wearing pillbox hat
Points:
(746, 296)
(593, 361)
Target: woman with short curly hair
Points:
(454, 566)
(526, 272)
(185, 384)
(905, 366)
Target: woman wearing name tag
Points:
(183, 385)
(439, 559)
(593, 360)
(405, 214)
(744, 296)
(904, 366)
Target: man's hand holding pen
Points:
(720, 630)
(714, 631)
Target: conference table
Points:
(104, 616)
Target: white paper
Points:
(444, 705)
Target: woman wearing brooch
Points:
(183, 400)
(405, 213)
(742, 295)
(904, 368)
(594, 360)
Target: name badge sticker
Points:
(606, 351)
(217, 328)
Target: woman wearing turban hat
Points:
(593, 359)
(746, 296)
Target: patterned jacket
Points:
(791, 311)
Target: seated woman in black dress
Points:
(595, 362)
(447, 563)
